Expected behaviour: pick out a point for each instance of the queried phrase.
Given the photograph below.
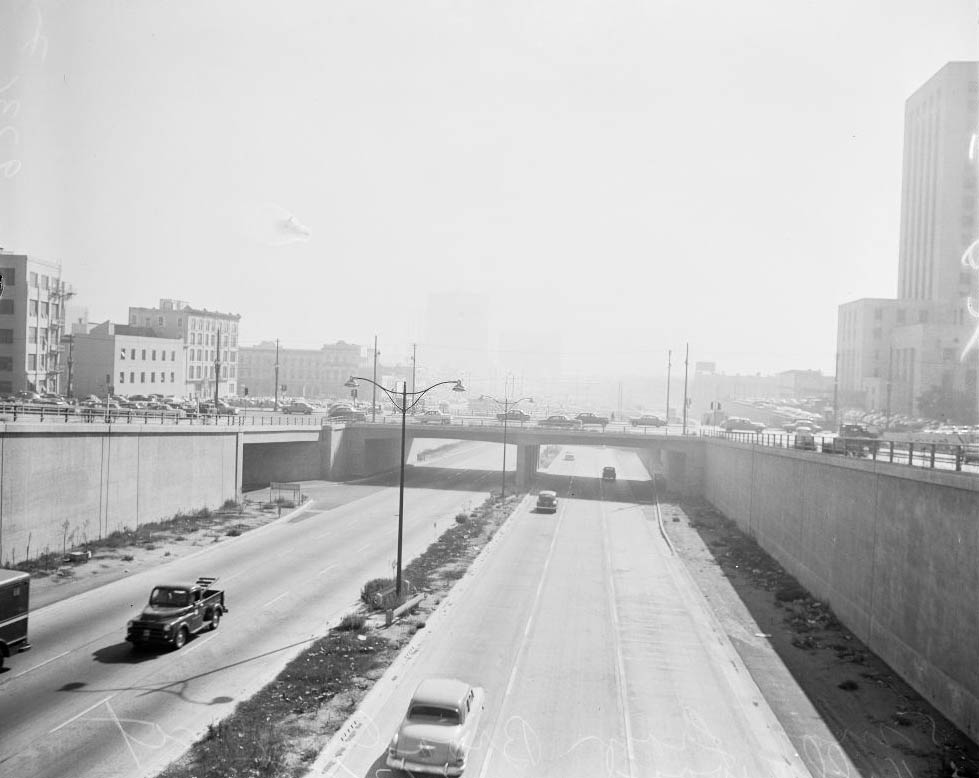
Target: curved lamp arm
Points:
(352, 384)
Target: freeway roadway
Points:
(81, 704)
(598, 653)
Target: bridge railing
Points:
(952, 455)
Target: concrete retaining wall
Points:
(893, 550)
(104, 478)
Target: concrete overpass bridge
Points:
(359, 449)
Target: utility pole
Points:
(276, 407)
(374, 393)
(217, 370)
(836, 393)
(890, 376)
(414, 361)
(686, 363)
(669, 366)
(71, 340)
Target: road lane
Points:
(87, 706)
(598, 654)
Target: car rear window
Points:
(434, 714)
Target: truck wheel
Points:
(215, 618)
(180, 639)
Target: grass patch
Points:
(352, 622)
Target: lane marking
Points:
(78, 716)
(617, 641)
(198, 643)
(226, 578)
(325, 569)
(363, 548)
(46, 661)
(281, 554)
(523, 642)
(275, 599)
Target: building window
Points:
(6, 336)
(172, 379)
(143, 357)
(132, 318)
(32, 280)
(44, 310)
(45, 282)
(142, 378)
(122, 377)
(6, 364)
(7, 273)
(6, 306)
(163, 377)
(173, 356)
(154, 355)
(180, 323)
(32, 307)
(132, 353)
(32, 361)
(132, 378)
(32, 334)
(122, 353)
(159, 321)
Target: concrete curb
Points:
(329, 759)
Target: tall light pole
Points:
(669, 367)
(686, 363)
(374, 393)
(404, 407)
(507, 405)
(276, 406)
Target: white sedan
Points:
(439, 728)
(434, 417)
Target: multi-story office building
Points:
(303, 372)
(119, 359)
(892, 351)
(211, 338)
(32, 321)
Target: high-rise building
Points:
(890, 353)
(32, 323)
(211, 338)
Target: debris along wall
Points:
(891, 549)
(68, 483)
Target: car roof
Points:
(450, 692)
(547, 493)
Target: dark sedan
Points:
(560, 420)
(592, 418)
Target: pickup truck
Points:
(177, 611)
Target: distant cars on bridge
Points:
(560, 421)
(648, 420)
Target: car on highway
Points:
(298, 407)
(804, 439)
(345, 413)
(514, 414)
(608, 473)
(434, 416)
(795, 424)
(592, 418)
(175, 612)
(220, 409)
(14, 603)
(647, 420)
(439, 728)
(546, 501)
(741, 424)
(561, 421)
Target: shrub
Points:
(234, 531)
(229, 505)
(128, 557)
(372, 587)
(461, 518)
(353, 622)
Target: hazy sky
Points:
(634, 174)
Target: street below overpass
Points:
(82, 704)
(598, 653)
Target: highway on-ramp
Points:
(82, 704)
(598, 654)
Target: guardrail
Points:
(960, 457)
(42, 413)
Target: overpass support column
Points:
(527, 458)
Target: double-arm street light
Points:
(507, 405)
(404, 407)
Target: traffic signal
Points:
(246, 391)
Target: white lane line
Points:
(79, 715)
(226, 578)
(46, 661)
(363, 548)
(198, 643)
(523, 642)
(617, 642)
(325, 569)
(275, 599)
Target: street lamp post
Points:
(404, 408)
(507, 404)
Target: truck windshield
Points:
(170, 598)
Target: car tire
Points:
(215, 619)
(180, 639)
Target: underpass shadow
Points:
(638, 491)
(425, 477)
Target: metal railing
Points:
(959, 457)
